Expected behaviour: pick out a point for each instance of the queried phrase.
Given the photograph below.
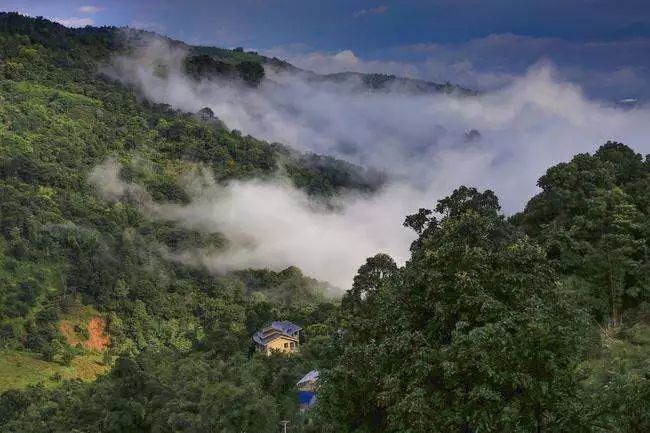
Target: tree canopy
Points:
(592, 218)
(474, 329)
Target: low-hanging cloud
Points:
(428, 144)
(609, 69)
(273, 225)
(90, 9)
(370, 11)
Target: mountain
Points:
(384, 82)
(371, 82)
(76, 268)
(629, 103)
(538, 322)
(365, 82)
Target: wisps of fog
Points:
(274, 225)
(424, 142)
(607, 69)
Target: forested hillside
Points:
(68, 256)
(538, 322)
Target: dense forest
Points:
(539, 322)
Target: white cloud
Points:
(273, 225)
(370, 11)
(611, 70)
(339, 61)
(89, 9)
(532, 123)
(75, 21)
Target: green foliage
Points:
(67, 356)
(616, 384)
(165, 391)
(180, 338)
(204, 66)
(474, 329)
(320, 175)
(592, 218)
(251, 72)
(21, 369)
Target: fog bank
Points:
(274, 225)
(428, 144)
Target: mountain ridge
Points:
(368, 81)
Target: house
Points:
(307, 390)
(282, 336)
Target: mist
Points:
(274, 225)
(423, 142)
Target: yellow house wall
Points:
(278, 344)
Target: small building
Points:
(282, 336)
(307, 390)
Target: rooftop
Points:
(275, 330)
(310, 377)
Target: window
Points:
(291, 344)
(286, 345)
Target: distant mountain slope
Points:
(227, 62)
(370, 81)
(64, 247)
(367, 81)
(364, 81)
(384, 82)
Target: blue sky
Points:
(363, 26)
(601, 44)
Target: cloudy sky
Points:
(599, 44)
(423, 143)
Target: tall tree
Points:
(473, 334)
(592, 219)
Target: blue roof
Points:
(306, 399)
(275, 330)
(285, 326)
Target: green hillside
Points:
(64, 248)
(535, 323)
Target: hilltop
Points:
(218, 61)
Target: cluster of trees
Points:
(62, 247)
(538, 322)
(591, 217)
(385, 83)
(529, 324)
(204, 66)
(164, 391)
